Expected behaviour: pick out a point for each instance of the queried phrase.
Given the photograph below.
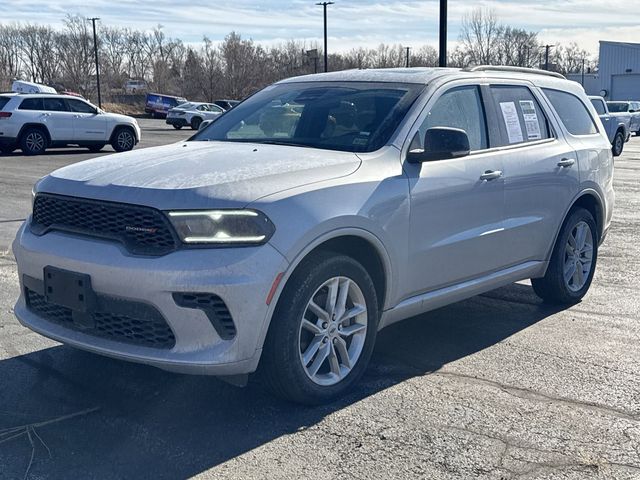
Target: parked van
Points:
(20, 86)
(158, 105)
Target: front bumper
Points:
(242, 277)
(179, 121)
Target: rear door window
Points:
(31, 104)
(462, 108)
(572, 112)
(55, 105)
(520, 117)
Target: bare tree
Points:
(480, 36)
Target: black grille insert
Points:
(143, 230)
(144, 326)
(215, 309)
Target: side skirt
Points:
(439, 298)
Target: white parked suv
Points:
(35, 122)
(283, 236)
(192, 114)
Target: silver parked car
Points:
(286, 234)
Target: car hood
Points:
(191, 175)
(120, 118)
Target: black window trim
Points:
(566, 130)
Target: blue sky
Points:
(352, 23)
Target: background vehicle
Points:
(226, 104)
(20, 86)
(616, 124)
(35, 122)
(135, 86)
(158, 105)
(632, 108)
(192, 114)
(287, 243)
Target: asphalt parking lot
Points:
(496, 387)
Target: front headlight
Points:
(247, 227)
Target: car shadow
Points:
(135, 421)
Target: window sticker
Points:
(511, 121)
(530, 119)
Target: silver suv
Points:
(282, 237)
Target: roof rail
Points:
(504, 68)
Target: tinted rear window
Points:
(3, 101)
(616, 107)
(572, 112)
(31, 104)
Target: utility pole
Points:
(95, 51)
(442, 62)
(546, 56)
(326, 55)
(407, 63)
(583, 71)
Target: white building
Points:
(619, 70)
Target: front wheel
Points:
(123, 140)
(195, 123)
(323, 331)
(618, 144)
(177, 127)
(573, 261)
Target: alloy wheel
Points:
(578, 257)
(125, 140)
(332, 331)
(35, 141)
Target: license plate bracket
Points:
(69, 289)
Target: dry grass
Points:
(124, 109)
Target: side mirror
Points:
(441, 143)
(204, 124)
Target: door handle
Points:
(490, 175)
(566, 162)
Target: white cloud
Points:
(352, 23)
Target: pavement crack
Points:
(528, 394)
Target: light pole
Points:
(95, 51)
(407, 62)
(442, 61)
(326, 56)
(546, 56)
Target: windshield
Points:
(617, 107)
(346, 116)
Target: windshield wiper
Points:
(279, 142)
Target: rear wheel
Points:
(195, 123)
(618, 144)
(573, 261)
(33, 141)
(123, 140)
(323, 331)
(177, 127)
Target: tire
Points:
(554, 287)
(123, 139)
(195, 123)
(618, 144)
(33, 141)
(95, 148)
(177, 127)
(282, 362)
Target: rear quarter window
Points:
(3, 102)
(572, 112)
